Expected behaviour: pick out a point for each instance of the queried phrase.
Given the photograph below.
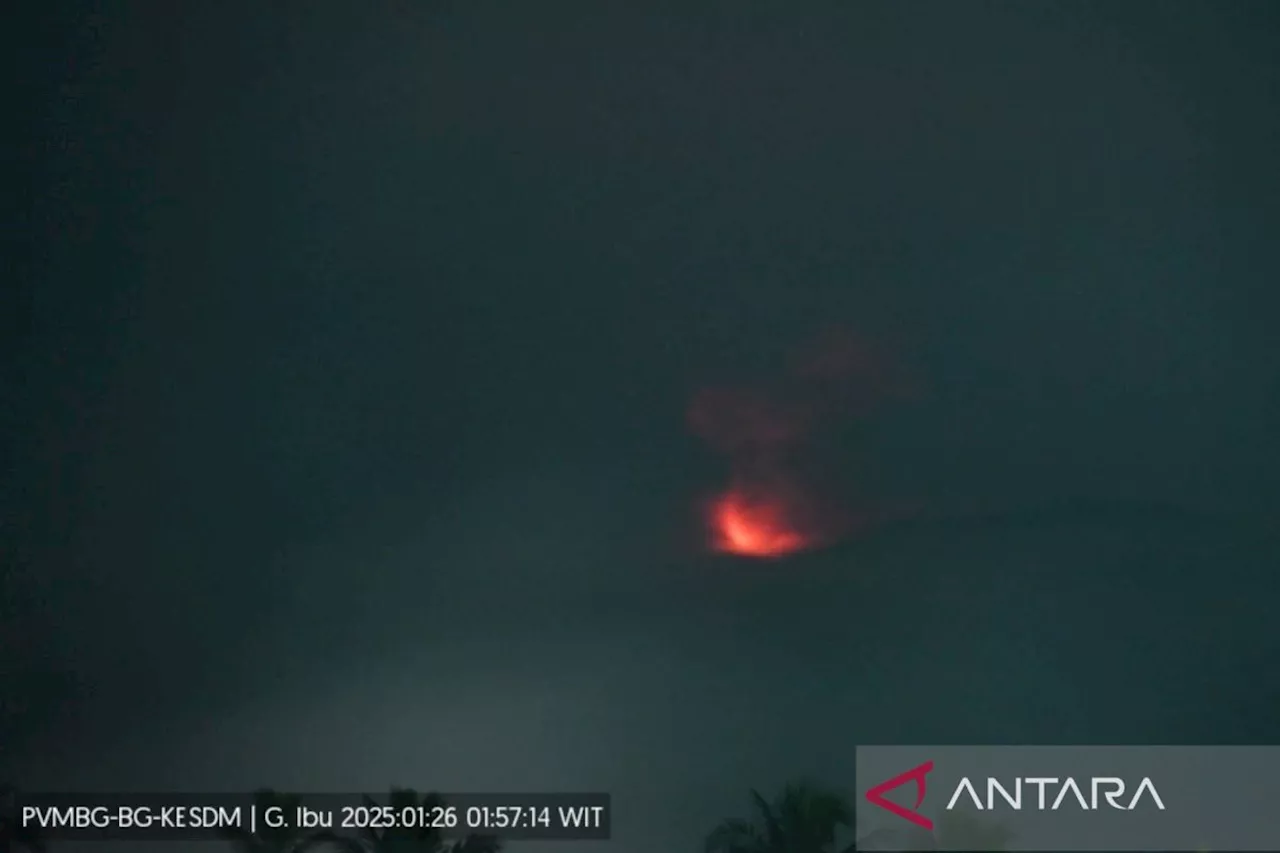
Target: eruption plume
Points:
(774, 436)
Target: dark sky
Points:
(346, 389)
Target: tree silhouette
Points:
(420, 839)
(804, 818)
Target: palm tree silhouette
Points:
(804, 818)
(425, 839)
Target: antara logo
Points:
(1110, 788)
(918, 774)
(1106, 790)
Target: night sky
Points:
(349, 372)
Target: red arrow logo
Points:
(876, 794)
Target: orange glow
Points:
(784, 440)
(754, 528)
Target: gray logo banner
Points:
(1045, 799)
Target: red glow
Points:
(781, 439)
(757, 528)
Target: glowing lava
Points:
(754, 528)
(784, 441)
